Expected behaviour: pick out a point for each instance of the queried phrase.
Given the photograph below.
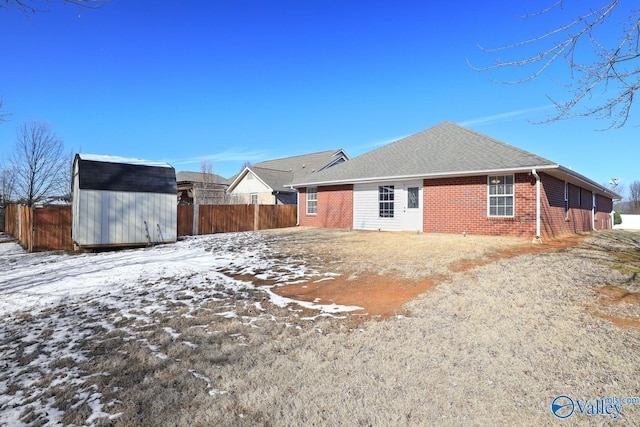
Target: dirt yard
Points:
(453, 330)
(383, 271)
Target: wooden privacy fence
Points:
(212, 219)
(49, 228)
(40, 229)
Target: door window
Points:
(413, 198)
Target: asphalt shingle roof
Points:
(276, 179)
(183, 176)
(280, 173)
(445, 149)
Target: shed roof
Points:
(125, 160)
(111, 173)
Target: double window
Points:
(312, 200)
(501, 195)
(386, 198)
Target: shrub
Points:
(617, 219)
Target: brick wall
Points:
(604, 207)
(457, 205)
(335, 207)
(560, 217)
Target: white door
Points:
(412, 207)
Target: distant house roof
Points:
(441, 151)
(185, 177)
(112, 173)
(280, 173)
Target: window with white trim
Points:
(312, 200)
(500, 195)
(386, 200)
(254, 199)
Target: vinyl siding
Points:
(118, 218)
(365, 208)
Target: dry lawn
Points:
(506, 327)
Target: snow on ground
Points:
(42, 280)
(52, 303)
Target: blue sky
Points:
(236, 81)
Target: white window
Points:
(312, 201)
(254, 199)
(386, 200)
(501, 195)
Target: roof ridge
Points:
(497, 141)
(303, 155)
(269, 169)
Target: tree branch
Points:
(614, 70)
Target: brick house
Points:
(449, 179)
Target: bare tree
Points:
(33, 6)
(209, 191)
(7, 184)
(600, 47)
(3, 115)
(634, 195)
(246, 164)
(39, 163)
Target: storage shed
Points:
(118, 201)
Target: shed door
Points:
(412, 207)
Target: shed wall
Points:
(102, 218)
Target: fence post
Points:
(33, 229)
(256, 217)
(19, 236)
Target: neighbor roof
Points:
(183, 176)
(444, 150)
(280, 173)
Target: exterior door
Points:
(412, 207)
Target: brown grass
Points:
(507, 327)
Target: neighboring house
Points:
(201, 188)
(269, 182)
(119, 202)
(449, 179)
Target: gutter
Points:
(537, 236)
(422, 176)
(297, 204)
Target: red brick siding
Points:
(604, 206)
(335, 207)
(555, 222)
(457, 205)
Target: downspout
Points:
(537, 236)
(297, 204)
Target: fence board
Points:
(277, 216)
(52, 229)
(11, 220)
(185, 220)
(233, 218)
(225, 218)
(26, 225)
